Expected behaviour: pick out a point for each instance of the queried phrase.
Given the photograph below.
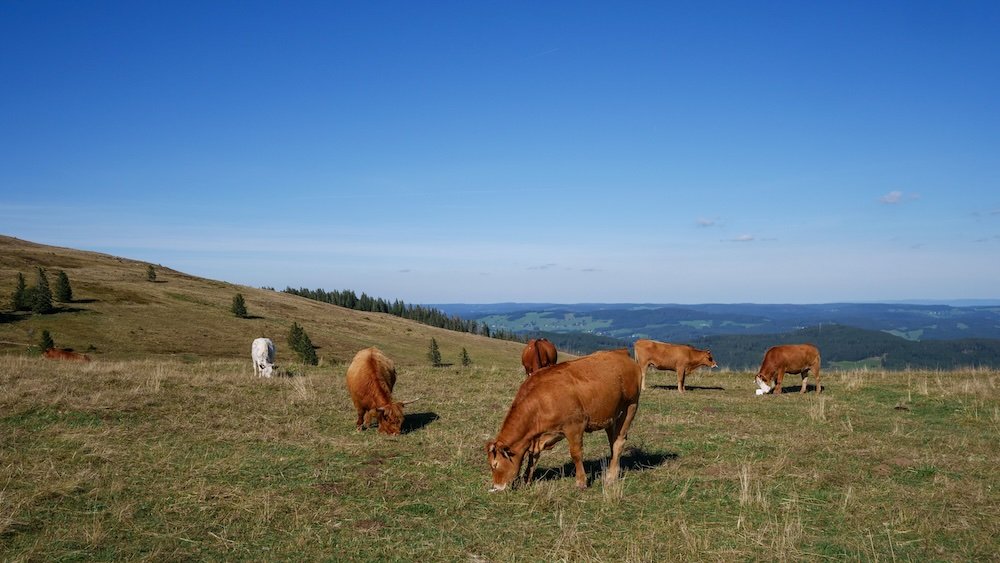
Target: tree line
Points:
(38, 298)
(424, 315)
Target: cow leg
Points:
(529, 472)
(777, 381)
(361, 420)
(680, 379)
(805, 377)
(643, 378)
(575, 437)
(816, 379)
(618, 445)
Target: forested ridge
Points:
(840, 346)
(426, 315)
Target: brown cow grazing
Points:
(370, 379)
(790, 358)
(537, 354)
(64, 354)
(564, 401)
(680, 358)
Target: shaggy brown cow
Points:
(63, 354)
(564, 401)
(538, 353)
(789, 358)
(370, 379)
(680, 358)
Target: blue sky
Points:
(679, 152)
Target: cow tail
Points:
(538, 355)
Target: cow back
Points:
(371, 378)
(664, 355)
(537, 354)
(792, 358)
(595, 388)
(62, 354)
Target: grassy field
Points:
(172, 460)
(116, 314)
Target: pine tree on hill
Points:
(466, 360)
(41, 295)
(20, 301)
(64, 293)
(46, 342)
(434, 354)
(239, 306)
(299, 341)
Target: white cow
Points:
(262, 353)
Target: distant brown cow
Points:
(370, 379)
(680, 358)
(789, 358)
(564, 401)
(538, 353)
(64, 354)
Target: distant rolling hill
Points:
(117, 314)
(893, 336)
(691, 322)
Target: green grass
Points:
(162, 459)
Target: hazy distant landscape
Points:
(876, 335)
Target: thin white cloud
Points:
(542, 266)
(896, 197)
(743, 238)
(704, 222)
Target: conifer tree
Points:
(46, 341)
(64, 293)
(434, 354)
(466, 360)
(19, 300)
(239, 306)
(299, 341)
(150, 273)
(41, 295)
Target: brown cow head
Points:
(504, 463)
(390, 418)
(708, 361)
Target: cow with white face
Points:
(262, 353)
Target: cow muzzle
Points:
(764, 387)
(497, 488)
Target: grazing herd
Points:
(556, 401)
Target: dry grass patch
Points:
(200, 460)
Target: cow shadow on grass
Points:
(416, 421)
(690, 387)
(634, 459)
(786, 389)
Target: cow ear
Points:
(507, 453)
(491, 448)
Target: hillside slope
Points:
(117, 313)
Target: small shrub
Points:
(46, 342)
(239, 307)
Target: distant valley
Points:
(877, 335)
